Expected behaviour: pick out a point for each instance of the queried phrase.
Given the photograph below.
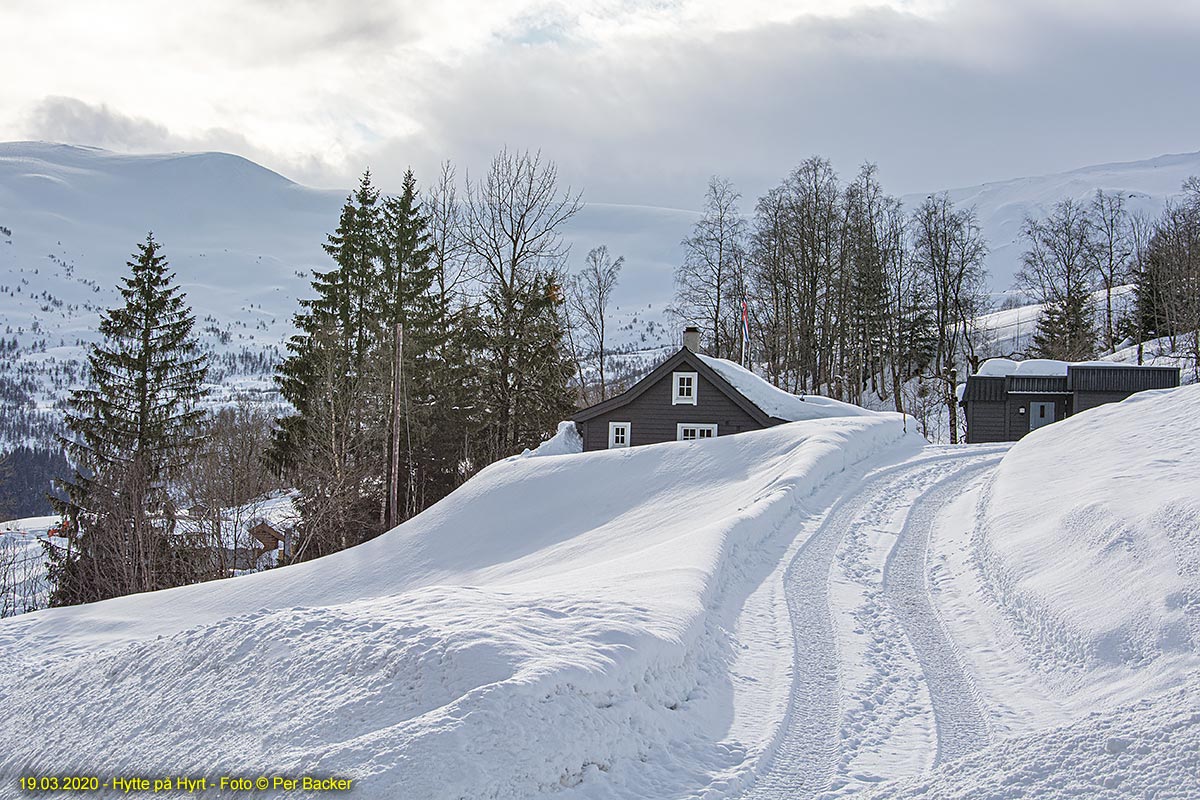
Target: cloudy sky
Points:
(639, 101)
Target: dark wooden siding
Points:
(985, 421)
(1018, 423)
(1036, 383)
(653, 418)
(1125, 380)
(1086, 400)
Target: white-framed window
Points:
(690, 431)
(683, 390)
(618, 434)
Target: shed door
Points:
(1040, 414)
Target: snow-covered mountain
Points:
(243, 240)
(1003, 205)
(825, 608)
(240, 238)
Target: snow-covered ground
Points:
(824, 609)
(558, 622)
(1069, 578)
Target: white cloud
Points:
(638, 99)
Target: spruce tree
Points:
(530, 398)
(407, 299)
(334, 444)
(918, 337)
(131, 432)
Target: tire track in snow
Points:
(961, 724)
(807, 754)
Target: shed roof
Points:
(1036, 384)
(1120, 378)
(984, 388)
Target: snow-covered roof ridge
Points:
(776, 402)
(1003, 367)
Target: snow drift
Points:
(555, 624)
(1070, 581)
(1093, 527)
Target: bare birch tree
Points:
(1057, 270)
(710, 283)
(589, 298)
(514, 218)
(1112, 252)
(948, 250)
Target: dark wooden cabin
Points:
(1003, 408)
(682, 399)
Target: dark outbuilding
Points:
(1003, 408)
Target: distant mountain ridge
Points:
(1003, 205)
(243, 240)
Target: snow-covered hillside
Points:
(243, 241)
(1003, 205)
(827, 608)
(558, 624)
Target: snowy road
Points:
(878, 689)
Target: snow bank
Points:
(566, 440)
(557, 625)
(997, 368)
(1092, 538)
(1003, 367)
(775, 401)
(1147, 749)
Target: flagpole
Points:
(745, 332)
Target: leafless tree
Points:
(711, 281)
(22, 576)
(589, 298)
(514, 218)
(448, 237)
(1169, 278)
(948, 250)
(1057, 269)
(1112, 251)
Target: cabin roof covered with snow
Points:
(766, 403)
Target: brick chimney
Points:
(691, 338)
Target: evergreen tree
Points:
(918, 336)
(132, 431)
(536, 391)
(408, 299)
(513, 216)
(335, 444)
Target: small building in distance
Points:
(693, 396)
(1007, 399)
